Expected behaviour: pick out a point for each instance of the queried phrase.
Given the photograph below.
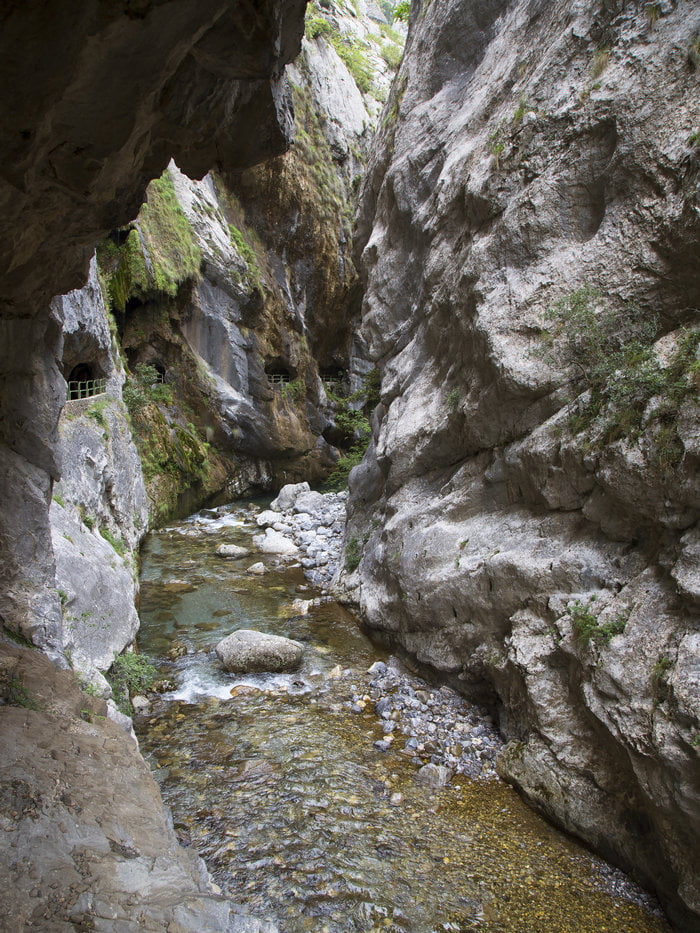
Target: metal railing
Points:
(277, 379)
(86, 388)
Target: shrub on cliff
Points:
(611, 355)
(130, 674)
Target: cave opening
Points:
(83, 383)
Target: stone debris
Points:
(311, 527)
(438, 726)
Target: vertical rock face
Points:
(98, 99)
(241, 289)
(99, 509)
(528, 508)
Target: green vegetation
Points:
(601, 60)
(293, 391)
(353, 554)
(350, 53)
(402, 10)
(313, 150)
(85, 517)
(453, 399)
(611, 354)
(392, 54)
(163, 233)
(587, 626)
(123, 271)
(694, 139)
(59, 500)
(115, 540)
(354, 422)
(497, 144)
(168, 235)
(143, 387)
(248, 255)
(694, 53)
(96, 411)
(130, 674)
(520, 111)
(659, 677)
(653, 11)
(16, 694)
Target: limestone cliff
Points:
(99, 510)
(527, 512)
(118, 91)
(240, 290)
(98, 98)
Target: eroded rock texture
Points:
(528, 150)
(99, 509)
(80, 851)
(97, 99)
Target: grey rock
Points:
(313, 503)
(248, 651)
(268, 517)
(434, 775)
(491, 515)
(288, 495)
(232, 551)
(257, 569)
(272, 542)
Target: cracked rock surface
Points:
(549, 571)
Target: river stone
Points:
(267, 518)
(434, 775)
(232, 551)
(248, 652)
(258, 568)
(312, 502)
(287, 496)
(272, 542)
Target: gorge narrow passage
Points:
(278, 784)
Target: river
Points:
(279, 786)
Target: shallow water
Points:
(298, 816)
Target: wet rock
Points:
(140, 703)
(247, 651)
(257, 569)
(232, 551)
(434, 775)
(244, 690)
(177, 650)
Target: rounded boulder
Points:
(250, 652)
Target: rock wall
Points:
(86, 841)
(99, 510)
(229, 283)
(98, 99)
(118, 91)
(527, 511)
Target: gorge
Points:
(515, 302)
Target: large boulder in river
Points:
(250, 652)
(287, 496)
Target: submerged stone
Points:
(232, 551)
